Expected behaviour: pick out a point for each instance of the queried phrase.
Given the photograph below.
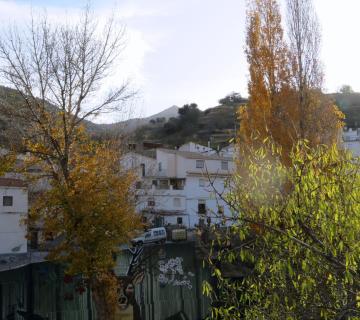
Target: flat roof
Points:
(196, 155)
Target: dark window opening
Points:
(163, 184)
(7, 201)
(179, 220)
(142, 169)
(201, 208)
(177, 184)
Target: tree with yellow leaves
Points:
(269, 84)
(6, 163)
(275, 109)
(57, 71)
(90, 212)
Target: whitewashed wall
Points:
(12, 231)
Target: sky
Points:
(184, 51)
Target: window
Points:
(200, 164)
(202, 182)
(163, 184)
(151, 202)
(142, 169)
(177, 184)
(156, 233)
(179, 220)
(154, 183)
(177, 202)
(147, 235)
(160, 167)
(201, 207)
(224, 165)
(7, 201)
(138, 185)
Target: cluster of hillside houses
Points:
(183, 187)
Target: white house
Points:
(195, 147)
(351, 140)
(182, 187)
(13, 208)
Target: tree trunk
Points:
(104, 293)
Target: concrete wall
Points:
(134, 160)
(12, 232)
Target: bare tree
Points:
(57, 71)
(304, 36)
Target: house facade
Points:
(351, 140)
(13, 209)
(182, 187)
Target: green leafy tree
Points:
(345, 89)
(295, 237)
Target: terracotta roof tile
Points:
(10, 182)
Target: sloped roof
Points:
(10, 182)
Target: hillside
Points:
(129, 126)
(215, 125)
(173, 126)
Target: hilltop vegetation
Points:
(349, 104)
(217, 125)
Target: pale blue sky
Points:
(182, 51)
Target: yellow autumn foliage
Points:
(274, 110)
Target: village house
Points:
(13, 209)
(182, 186)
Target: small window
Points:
(154, 183)
(138, 185)
(7, 201)
(163, 184)
(142, 169)
(156, 233)
(151, 202)
(160, 167)
(147, 235)
(201, 207)
(224, 165)
(200, 164)
(177, 202)
(179, 220)
(202, 182)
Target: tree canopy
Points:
(297, 230)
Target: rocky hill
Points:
(173, 126)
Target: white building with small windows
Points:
(183, 186)
(13, 209)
